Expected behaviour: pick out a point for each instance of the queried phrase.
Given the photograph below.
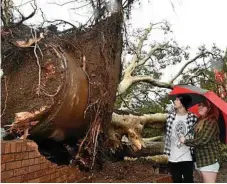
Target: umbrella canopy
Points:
(198, 95)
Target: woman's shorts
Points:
(210, 168)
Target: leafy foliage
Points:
(203, 72)
(152, 132)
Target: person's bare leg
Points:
(200, 176)
(209, 177)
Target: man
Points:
(180, 122)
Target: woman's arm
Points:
(204, 136)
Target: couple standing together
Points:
(190, 140)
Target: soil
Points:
(138, 172)
(126, 172)
(22, 82)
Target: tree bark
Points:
(131, 126)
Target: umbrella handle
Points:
(190, 130)
(179, 144)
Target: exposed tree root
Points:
(6, 98)
(90, 143)
(25, 120)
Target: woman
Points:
(206, 142)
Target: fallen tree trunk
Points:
(159, 159)
(150, 149)
(131, 126)
(157, 138)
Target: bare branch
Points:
(173, 7)
(23, 4)
(138, 51)
(73, 1)
(197, 73)
(122, 120)
(61, 21)
(125, 103)
(80, 6)
(184, 66)
(127, 3)
(23, 18)
(142, 39)
(130, 80)
(130, 68)
(151, 80)
(6, 96)
(150, 53)
(92, 4)
(157, 138)
(74, 28)
(137, 58)
(2, 17)
(6, 12)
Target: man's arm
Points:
(166, 145)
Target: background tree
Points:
(142, 92)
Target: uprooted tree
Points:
(62, 85)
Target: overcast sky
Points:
(194, 22)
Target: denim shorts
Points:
(209, 168)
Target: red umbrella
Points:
(199, 95)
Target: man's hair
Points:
(185, 100)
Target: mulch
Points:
(138, 172)
(126, 172)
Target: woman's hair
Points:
(212, 114)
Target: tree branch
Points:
(23, 4)
(61, 21)
(157, 138)
(150, 53)
(82, 6)
(131, 126)
(129, 80)
(127, 3)
(137, 53)
(196, 74)
(142, 39)
(137, 59)
(73, 1)
(184, 66)
(23, 18)
(126, 120)
(152, 81)
(2, 17)
(125, 103)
